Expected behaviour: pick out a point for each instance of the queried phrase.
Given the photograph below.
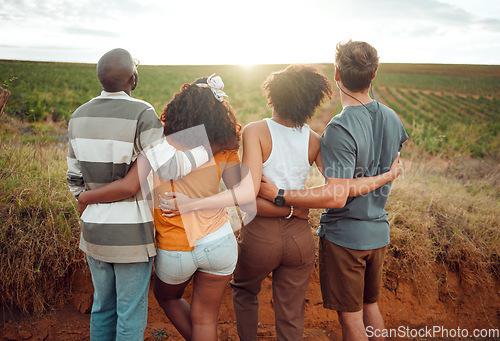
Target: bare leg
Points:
(373, 317)
(207, 296)
(353, 328)
(178, 311)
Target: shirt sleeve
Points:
(230, 159)
(230, 167)
(165, 160)
(404, 136)
(233, 156)
(338, 152)
(74, 173)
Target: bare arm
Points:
(167, 161)
(243, 193)
(232, 176)
(361, 186)
(118, 189)
(334, 193)
(316, 197)
(265, 208)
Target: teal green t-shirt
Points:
(361, 141)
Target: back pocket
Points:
(168, 263)
(305, 245)
(222, 252)
(254, 251)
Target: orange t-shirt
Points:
(179, 233)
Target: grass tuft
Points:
(39, 225)
(437, 219)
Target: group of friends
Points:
(182, 226)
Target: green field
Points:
(447, 109)
(445, 210)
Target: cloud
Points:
(7, 46)
(490, 24)
(65, 11)
(422, 11)
(44, 47)
(260, 30)
(90, 32)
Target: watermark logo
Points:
(433, 332)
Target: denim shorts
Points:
(216, 256)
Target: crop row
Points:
(40, 90)
(446, 123)
(442, 112)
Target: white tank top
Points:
(288, 163)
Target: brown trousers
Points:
(286, 248)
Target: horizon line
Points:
(242, 64)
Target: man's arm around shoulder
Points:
(167, 161)
(333, 194)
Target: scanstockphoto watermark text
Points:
(432, 332)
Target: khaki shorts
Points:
(349, 277)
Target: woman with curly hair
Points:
(282, 148)
(279, 239)
(199, 245)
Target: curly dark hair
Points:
(356, 63)
(195, 105)
(296, 92)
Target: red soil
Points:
(434, 302)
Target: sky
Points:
(193, 32)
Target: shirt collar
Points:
(113, 95)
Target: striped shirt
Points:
(106, 135)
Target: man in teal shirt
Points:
(360, 143)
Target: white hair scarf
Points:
(216, 85)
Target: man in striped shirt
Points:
(106, 135)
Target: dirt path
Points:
(404, 305)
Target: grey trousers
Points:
(286, 248)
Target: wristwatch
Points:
(280, 199)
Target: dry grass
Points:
(443, 213)
(446, 213)
(39, 227)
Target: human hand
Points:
(170, 203)
(301, 213)
(396, 167)
(82, 205)
(268, 189)
(170, 213)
